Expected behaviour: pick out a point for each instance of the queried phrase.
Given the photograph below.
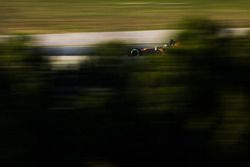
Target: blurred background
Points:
(188, 106)
(53, 16)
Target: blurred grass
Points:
(36, 16)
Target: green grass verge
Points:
(54, 16)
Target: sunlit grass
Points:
(34, 16)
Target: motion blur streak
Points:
(186, 107)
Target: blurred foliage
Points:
(113, 48)
(217, 93)
(189, 107)
(22, 69)
(23, 87)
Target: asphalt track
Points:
(70, 49)
(92, 38)
(83, 43)
(135, 37)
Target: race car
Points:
(159, 50)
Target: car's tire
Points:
(135, 52)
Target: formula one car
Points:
(159, 50)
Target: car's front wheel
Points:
(135, 52)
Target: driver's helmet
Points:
(171, 42)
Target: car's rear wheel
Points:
(135, 52)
